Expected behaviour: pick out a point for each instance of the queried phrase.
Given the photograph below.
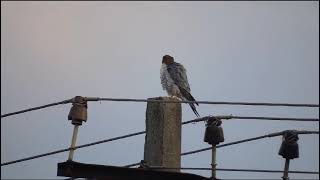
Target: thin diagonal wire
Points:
(134, 134)
(36, 108)
(68, 149)
(91, 144)
(236, 142)
(247, 140)
(129, 135)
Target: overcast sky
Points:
(233, 51)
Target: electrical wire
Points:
(275, 118)
(162, 101)
(231, 170)
(202, 102)
(142, 132)
(68, 149)
(236, 142)
(223, 117)
(187, 122)
(36, 108)
(228, 169)
(247, 140)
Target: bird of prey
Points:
(174, 80)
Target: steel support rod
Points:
(286, 170)
(73, 142)
(213, 161)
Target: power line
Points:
(247, 140)
(68, 149)
(228, 169)
(223, 117)
(236, 142)
(36, 108)
(186, 122)
(202, 102)
(275, 118)
(163, 101)
(142, 132)
(223, 145)
(231, 170)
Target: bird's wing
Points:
(164, 77)
(179, 75)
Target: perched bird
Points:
(174, 80)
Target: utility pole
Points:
(163, 133)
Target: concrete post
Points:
(163, 133)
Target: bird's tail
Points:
(189, 97)
(193, 107)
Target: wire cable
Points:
(228, 169)
(247, 140)
(142, 132)
(202, 102)
(275, 118)
(135, 134)
(236, 142)
(36, 108)
(163, 101)
(68, 149)
(223, 117)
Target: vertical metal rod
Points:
(73, 142)
(286, 170)
(213, 162)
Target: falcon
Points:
(174, 80)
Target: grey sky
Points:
(233, 51)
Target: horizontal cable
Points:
(247, 140)
(275, 118)
(202, 102)
(36, 108)
(243, 170)
(68, 149)
(237, 142)
(223, 117)
(129, 135)
(162, 101)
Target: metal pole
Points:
(286, 170)
(73, 142)
(213, 162)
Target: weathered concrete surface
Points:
(163, 138)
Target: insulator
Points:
(289, 147)
(78, 111)
(214, 132)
